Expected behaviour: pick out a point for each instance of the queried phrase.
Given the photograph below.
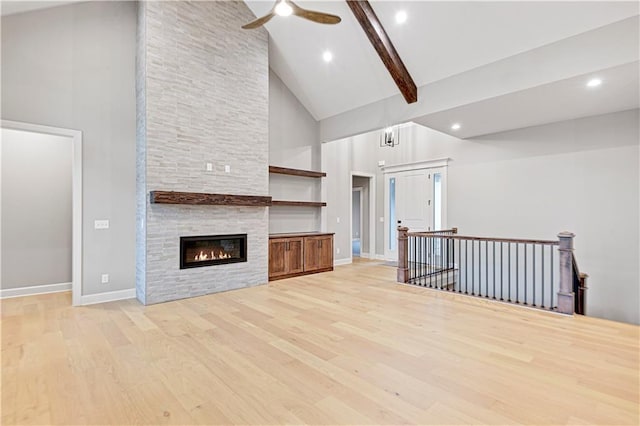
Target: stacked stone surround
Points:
(202, 97)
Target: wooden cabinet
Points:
(299, 254)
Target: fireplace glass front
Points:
(212, 250)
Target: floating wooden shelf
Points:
(296, 172)
(298, 203)
(201, 198)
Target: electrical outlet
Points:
(227, 168)
(209, 167)
(337, 250)
(382, 219)
(105, 278)
(101, 224)
(337, 220)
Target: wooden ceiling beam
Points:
(378, 37)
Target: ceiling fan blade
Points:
(319, 17)
(260, 21)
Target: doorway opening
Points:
(362, 225)
(356, 221)
(40, 210)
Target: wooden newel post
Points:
(565, 293)
(403, 254)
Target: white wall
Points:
(36, 209)
(579, 175)
(293, 143)
(74, 67)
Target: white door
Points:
(409, 203)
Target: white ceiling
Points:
(571, 99)
(439, 41)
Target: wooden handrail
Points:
(498, 240)
(440, 231)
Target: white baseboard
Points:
(365, 255)
(33, 290)
(110, 296)
(379, 257)
(341, 262)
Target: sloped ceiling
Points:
(442, 41)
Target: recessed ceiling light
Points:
(594, 82)
(283, 9)
(401, 17)
(327, 56)
(455, 126)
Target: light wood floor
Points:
(346, 347)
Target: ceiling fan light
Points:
(283, 9)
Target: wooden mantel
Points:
(207, 199)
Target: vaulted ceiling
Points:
(490, 66)
(489, 56)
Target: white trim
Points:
(76, 147)
(33, 290)
(428, 164)
(110, 296)
(365, 255)
(380, 257)
(339, 262)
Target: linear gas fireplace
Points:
(212, 250)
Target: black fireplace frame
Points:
(185, 240)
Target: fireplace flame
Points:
(212, 255)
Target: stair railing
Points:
(537, 273)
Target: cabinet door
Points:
(277, 257)
(294, 256)
(311, 250)
(325, 252)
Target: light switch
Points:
(337, 220)
(382, 219)
(101, 224)
(227, 168)
(105, 278)
(209, 167)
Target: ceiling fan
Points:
(286, 8)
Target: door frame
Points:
(76, 195)
(372, 214)
(440, 163)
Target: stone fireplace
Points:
(203, 123)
